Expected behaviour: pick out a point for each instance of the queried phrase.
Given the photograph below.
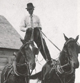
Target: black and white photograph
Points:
(39, 41)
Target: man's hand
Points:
(40, 28)
(29, 29)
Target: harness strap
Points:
(54, 63)
(17, 73)
(6, 78)
(59, 69)
(14, 68)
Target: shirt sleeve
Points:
(23, 25)
(39, 23)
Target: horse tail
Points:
(37, 76)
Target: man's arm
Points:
(39, 24)
(23, 29)
(23, 26)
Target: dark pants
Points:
(37, 38)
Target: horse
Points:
(22, 66)
(61, 70)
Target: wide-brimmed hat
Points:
(30, 6)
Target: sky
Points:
(56, 16)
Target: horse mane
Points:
(61, 54)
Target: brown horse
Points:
(63, 69)
(22, 67)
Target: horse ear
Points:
(65, 37)
(77, 38)
(22, 40)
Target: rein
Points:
(50, 41)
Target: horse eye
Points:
(26, 47)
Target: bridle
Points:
(65, 65)
(26, 63)
(68, 57)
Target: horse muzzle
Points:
(75, 65)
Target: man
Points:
(31, 25)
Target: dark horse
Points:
(63, 69)
(22, 67)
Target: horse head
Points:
(69, 54)
(35, 49)
(25, 59)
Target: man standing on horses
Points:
(31, 25)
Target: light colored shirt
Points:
(26, 22)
